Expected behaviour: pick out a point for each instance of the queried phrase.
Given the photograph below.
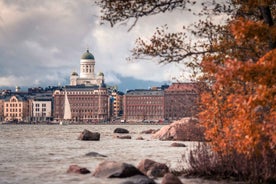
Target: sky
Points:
(41, 42)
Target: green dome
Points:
(74, 74)
(101, 74)
(87, 55)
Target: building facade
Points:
(169, 103)
(117, 104)
(16, 108)
(1, 109)
(181, 101)
(41, 109)
(144, 105)
(87, 103)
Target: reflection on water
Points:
(42, 153)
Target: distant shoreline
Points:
(57, 123)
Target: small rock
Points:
(139, 138)
(176, 144)
(77, 169)
(94, 154)
(139, 179)
(112, 169)
(169, 178)
(123, 137)
(121, 131)
(150, 131)
(86, 135)
(152, 168)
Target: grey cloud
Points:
(41, 42)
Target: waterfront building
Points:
(143, 105)
(87, 74)
(117, 103)
(16, 108)
(87, 103)
(41, 110)
(1, 109)
(181, 101)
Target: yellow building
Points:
(16, 108)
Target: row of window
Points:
(38, 109)
(146, 98)
(38, 105)
(86, 93)
(40, 114)
(12, 105)
(89, 105)
(13, 110)
(150, 108)
(14, 115)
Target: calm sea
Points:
(31, 154)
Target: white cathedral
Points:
(87, 76)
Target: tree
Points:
(237, 63)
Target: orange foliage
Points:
(239, 111)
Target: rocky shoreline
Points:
(148, 170)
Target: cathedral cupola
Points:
(87, 64)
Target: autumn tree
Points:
(235, 60)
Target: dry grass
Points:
(203, 162)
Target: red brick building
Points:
(144, 105)
(181, 100)
(173, 103)
(87, 103)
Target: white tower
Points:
(87, 64)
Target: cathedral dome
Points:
(74, 74)
(87, 55)
(101, 74)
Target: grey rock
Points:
(94, 154)
(121, 131)
(87, 135)
(123, 137)
(176, 144)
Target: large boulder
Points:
(77, 169)
(152, 168)
(86, 135)
(186, 129)
(112, 169)
(169, 178)
(121, 131)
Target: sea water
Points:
(31, 154)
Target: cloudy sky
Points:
(41, 42)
